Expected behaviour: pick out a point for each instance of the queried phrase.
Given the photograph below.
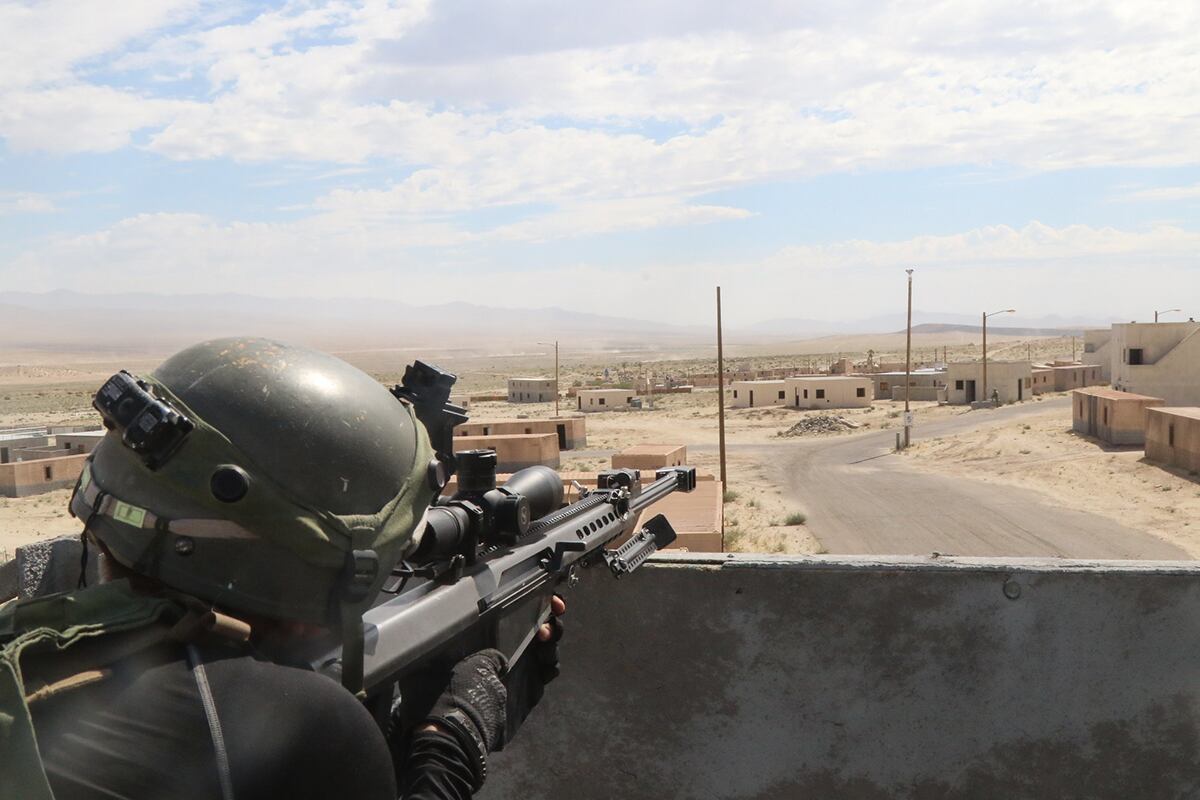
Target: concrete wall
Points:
(864, 679)
(572, 431)
(1115, 417)
(79, 442)
(589, 400)
(1173, 437)
(650, 456)
(1097, 349)
(8, 447)
(758, 394)
(531, 390)
(514, 451)
(917, 392)
(821, 392)
(23, 478)
(1170, 366)
(885, 383)
(1012, 380)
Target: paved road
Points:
(863, 499)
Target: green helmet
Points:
(260, 477)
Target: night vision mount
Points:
(148, 424)
(428, 389)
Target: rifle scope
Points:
(483, 513)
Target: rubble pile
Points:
(819, 423)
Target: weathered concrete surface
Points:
(718, 677)
(45, 568)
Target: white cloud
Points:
(25, 203)
(1166, 193)
(1076, 269)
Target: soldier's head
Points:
(262, 478)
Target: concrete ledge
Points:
(705, 676)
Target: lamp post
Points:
(908, 364)
(1167, 311)
(985, 319)
(555, 343)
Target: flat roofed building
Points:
(571, 431)
(590, 400)
(1158, 359)
(650, 456)
(1173, 437)
(758, 394)
(531, 390)
(79, 441)
(1060, 377)
(1012, 381)
(24, 478)
(851, 391)
(923, 384)
(515, 451)
(1111, 416)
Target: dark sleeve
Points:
(438, 768)
(296, 734)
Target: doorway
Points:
(562, 437)
(970, 391)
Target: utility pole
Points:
(987, 396)
(721, 409)
(908, 366)
(556, 384)
(1073, 348)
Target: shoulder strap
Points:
(214, 722)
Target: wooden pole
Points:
(985, 391)
(908, 364)
(721, 410)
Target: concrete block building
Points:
(1158, 359)
(23, 478)
(854, 391)
(589, 400)
(515, 451)
(79, 441)
(758, 394)
(1065, 377)
(923, 384)
(1012, 381)
(531, 390)
(1173, 437)
(571, 431)
(1097, 351)
(650, 457)
(1115, 417)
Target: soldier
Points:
(256, 509)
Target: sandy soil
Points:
(1043, 453)
(31, 519)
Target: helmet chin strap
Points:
(362, 568)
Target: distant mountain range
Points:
(149, 322)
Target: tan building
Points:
(758, 394)
(515, 451)
(1173, 437)
(531, 390)
(23, 478)
(79, 441)
(650, 457)
(1011, 380)
(923, 385)
(1063, 377)
(1158, 359)
(1097, 350)
(1111, 416)
(589, 400)
(571, 431)
(853, 391)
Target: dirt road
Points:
(862, 498)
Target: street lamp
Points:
(908, 364)
(1168, 311)
(555, 343)
(985, 319)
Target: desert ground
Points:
(765, 511)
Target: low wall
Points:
(754, 677)
(23, 478)
(515, 451)
(916, 392)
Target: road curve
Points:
(863, 499)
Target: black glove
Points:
(526, 680)
(472, 709)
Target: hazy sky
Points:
(616, 157)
